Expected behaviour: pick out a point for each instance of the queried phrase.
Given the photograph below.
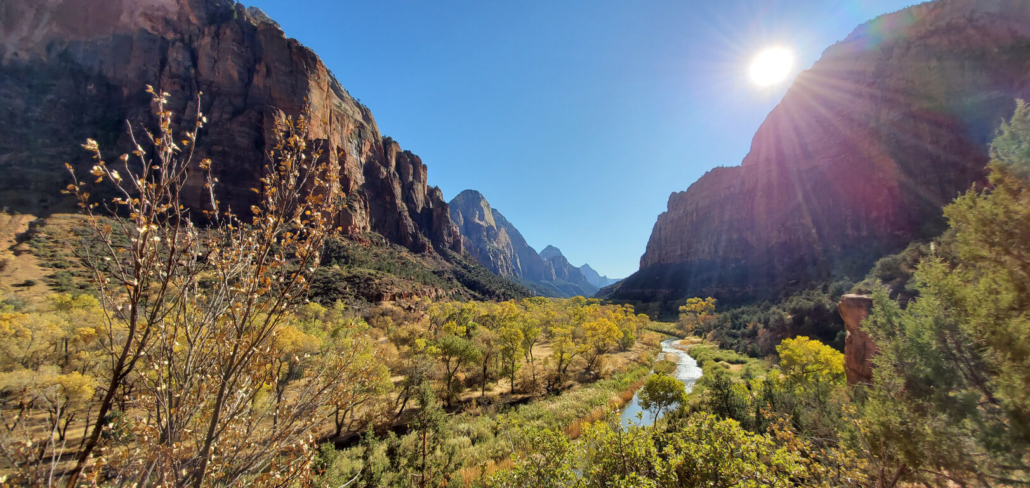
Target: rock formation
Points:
(854, 163)
(595, 278)
(493, 241)
(858, 346)
(497, 244)
(72, 69)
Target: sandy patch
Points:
(22, 277)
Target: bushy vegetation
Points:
(755, 330)
(772, 430)
(480, 440)
(948, 405)
(194, 363)
(950, 399)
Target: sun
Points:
(771, 66)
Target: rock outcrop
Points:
(72, 69)
(859, 348)
(496, 244)
(855, 162)
(595, 278)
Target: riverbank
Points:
(687, 371)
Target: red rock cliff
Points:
(71, 69)
(855, 162)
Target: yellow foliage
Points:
(696, 312)
(803, 359)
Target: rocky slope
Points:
(496, 244)
(72, 69)
(855, 162)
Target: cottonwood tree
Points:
(695, 313)
(806, 360)
(511, 339)
(600, 336)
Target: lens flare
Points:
(771, 66)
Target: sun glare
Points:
(771, 66)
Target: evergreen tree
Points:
(951, 400)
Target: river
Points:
(687, 371)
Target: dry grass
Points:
(469, 476)
(687, 342)
(617, 401)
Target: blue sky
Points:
(576, 119)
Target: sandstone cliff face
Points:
(496, 244)
(72, 69)
(493, 241)
(859, 348)
(855, 162)
(563, 271)
(595, 278)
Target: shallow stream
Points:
(687, 371)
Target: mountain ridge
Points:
(496, 244)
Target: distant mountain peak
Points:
(550, 252)
(470, 195)
(470, 204)
(496, 244)
(595, 278)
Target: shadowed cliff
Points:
(854, 163)
(72, 69)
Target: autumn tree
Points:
(511, 340)
(529, 327)
(563, 351)
(487, 348)
(193, 341)
(454, 349)
(803, 359)
(599, 336)
(695, 313)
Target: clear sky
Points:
(576, 119)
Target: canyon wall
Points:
(855, 162)
(72, 69)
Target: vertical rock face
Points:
(497, 244)
(72, 69)
(859, 348)
(493, 241)
(855, 162)
(562, 270)
(595, 278)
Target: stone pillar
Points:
(858, 347)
